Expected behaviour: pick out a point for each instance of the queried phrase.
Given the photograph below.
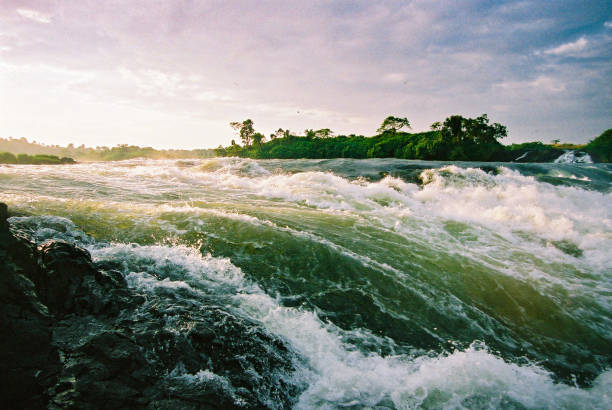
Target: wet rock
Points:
(201, 334)
(109, 370)
(239, 357)
(70, 283)
(77, 337)
(538, 155)
(65, 267)
(29, 362)
(3, 215)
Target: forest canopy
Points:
(457, 138)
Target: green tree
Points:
(458, 130)
(393, 124)
(478, 130)
(279, 133)
(245, 130)
(324, 133)
(220, 151)
(453, 129)
(7, 158)
(258, 138)
(309, 133)
(601, 147)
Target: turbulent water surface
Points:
(396, 283)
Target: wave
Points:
(574, 157)
(339, 375)
(501, 221)
(507, 202)
(336, 373)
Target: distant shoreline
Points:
(402, 145)
(40, 159)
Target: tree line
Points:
(457, 138)
(22, 146)
(10, 158)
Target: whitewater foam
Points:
(339, 374)
(574, 157)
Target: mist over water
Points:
(396, 283)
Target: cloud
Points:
(153, 83)
(571, 48)
(394, 78)
(214, 97)
(548, 84)
(543, 83)
(34, 16)
(344, 65)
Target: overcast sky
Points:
(175, 73)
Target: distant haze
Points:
(175, 73)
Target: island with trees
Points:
(457, 138)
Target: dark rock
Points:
(77, 337)
(3, 215)
(539, 155)
(29, 363)
(65, 267)
(108, 369)
(201, 334)
(70, 283)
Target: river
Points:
(396, 283)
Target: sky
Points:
(174, 74)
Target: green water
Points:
(400, 283)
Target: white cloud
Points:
(569, 48)
(34, 16)
(155, 83)
(548, 84)
(543, 83)
(214, 97)
(608, 24)
(395, 78)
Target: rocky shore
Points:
(76, 336)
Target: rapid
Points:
(395, 283)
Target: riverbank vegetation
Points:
(601, 147)
(83, 153)
(10, 158)
(457, 138)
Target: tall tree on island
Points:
(258, 138)
(392, 124)
(324, 133)
(453, 129)
(245, 130)
(458, 129)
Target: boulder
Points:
(29, 362)
(75, 336)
